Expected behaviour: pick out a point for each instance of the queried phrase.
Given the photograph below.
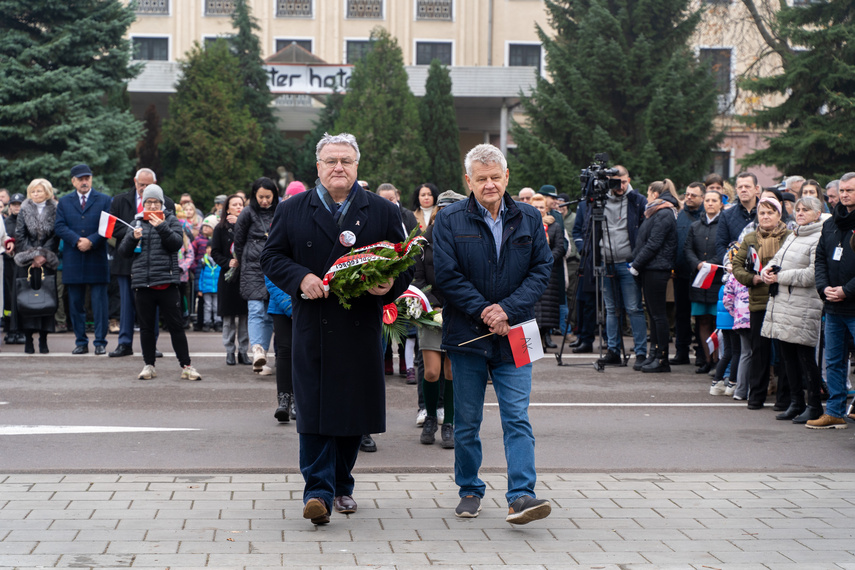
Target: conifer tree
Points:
(63, 72)
(256, 91)
(439, 129)
(305, 159)
(622, 80)
(210, 138)
(382, 113)
(818, 83)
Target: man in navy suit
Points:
(84, 258)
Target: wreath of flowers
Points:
(354, 274)
(410, 309)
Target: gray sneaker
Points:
(468, 507)
(527, 509)
(428, 431)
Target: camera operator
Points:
(624, 212)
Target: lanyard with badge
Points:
(838, 252)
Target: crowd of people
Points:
(757, 280)
(760, 281)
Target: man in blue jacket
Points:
(733, 220)
(492, 262)
(84, 258)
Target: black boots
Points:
(283, 412)
(651, 358)
(813, 410)
(243, 358)
(547, 339)
(43, 348)
(659, 363)
(796, 407)
(230, 358)
(28, 344)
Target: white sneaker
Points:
(440, 416)
(265, 371)
(259, 357)
(730, 388)
(147, 373)
(420, 419)
(718, 388)
(189, 373)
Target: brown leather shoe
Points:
(344, 504)
(316, 511)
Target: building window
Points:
(524, 55)
(153, 7)
(426, 52)
(305, 44)
(288, 9)
(721, 163)
(433, 10)
(208, 40)
(718, 60)
(151, 49)
(219, 7)
(366, 9)
(356, 50)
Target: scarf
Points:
(769, 241)
(658, 204)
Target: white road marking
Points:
(624, 405)
(50, 430)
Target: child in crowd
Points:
(209, 273)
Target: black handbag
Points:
(36, 294)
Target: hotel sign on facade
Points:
(308, 79)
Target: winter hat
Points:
(295, 188)
(220, 199)
(449, 197)
(548, 190)
(152, 191)
(211, 221)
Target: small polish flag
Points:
(706, 276)
(716, 343)
(755, 259)
(525, 343)
(108, 223)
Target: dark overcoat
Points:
(700, 246)
(72, 223)
(229, 301)
(337, 363)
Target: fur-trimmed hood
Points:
(35, 234)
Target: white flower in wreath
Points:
(414, 307)
(437, 318)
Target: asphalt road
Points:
(618, 420)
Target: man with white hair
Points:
(339, 384)
(126, 206)
(492, 263)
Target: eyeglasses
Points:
(345, 162)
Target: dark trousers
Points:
(586, 316)
(654, 284)
(682, 316)
(802, 372)
(168, 301)
(282, 343)
(758, 367)
(129, 311)
(77, 311)
(326, 462)
(730, 356)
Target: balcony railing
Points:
(434, 10)
(219, 7)
(367, 9)
(153, 7)
(288, 9)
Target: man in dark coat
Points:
(691, 213)
(734, 219)
(492, 262)
(126, 206)
(339, 383)
(84, 257)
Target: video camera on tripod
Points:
(597, 180)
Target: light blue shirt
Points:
(494, 225)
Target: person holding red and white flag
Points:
(701, 256)
(492, 262)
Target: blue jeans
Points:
(77, 311)
(835, 362)
(260, 324)
(513, 387)
(630, 294)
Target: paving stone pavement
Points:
(406, 521)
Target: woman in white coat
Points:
(794, 313)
